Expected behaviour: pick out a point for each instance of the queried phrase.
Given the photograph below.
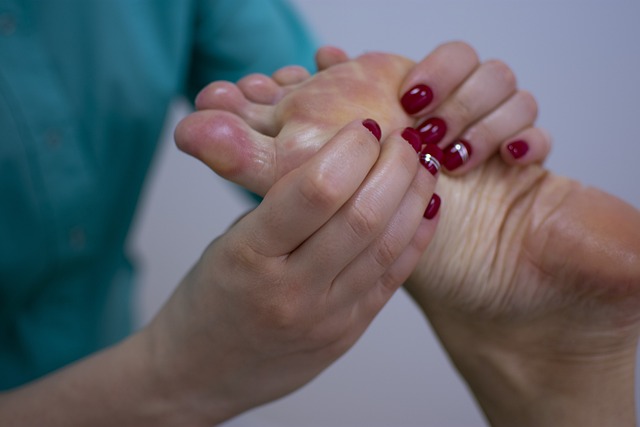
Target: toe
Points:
(230, 147)
(329, 56)
(291, 75)
(229, 97)
(260, 89)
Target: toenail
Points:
(431, 158)
(373, 127)
(432, 130)
(433, 207)
(457, 154)
(416, 98)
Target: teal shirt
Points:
(84, 90)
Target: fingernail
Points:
(373, 127)
(413, 138)
(431, 158)
(433, 207)
(457, 154)
(432, 130)
(416, 98)
(518, 148)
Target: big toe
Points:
(230, 147)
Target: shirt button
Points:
(77, 237)
(7, 24)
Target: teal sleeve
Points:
(234, 38)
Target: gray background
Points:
(581, 59)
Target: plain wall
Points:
(581, 59)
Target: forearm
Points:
(519, 384)
(118, 386)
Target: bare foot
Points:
(257, 131)
(526, 260)
(532, 283)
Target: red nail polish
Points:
(431, 158)
(413, 138)
(518, 148)
(416, 98)
(433, 207)
(432, 130)
(457, 154)
(373, 127)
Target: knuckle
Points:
(318, 191)
(462, 109)
(363, 219)
(279, 314)
(385, 252)
(390, 281)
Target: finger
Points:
(370, 268)
(529, 146)
(290, 75)
(398, 273)
(328, 56)
(434, 78)
(488, 87)
(367, 214)
(302, 201)
(484, 137)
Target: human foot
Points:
(255, 132)
(532, 283)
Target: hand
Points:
(293, 284)
(256, 131)
(461, 103)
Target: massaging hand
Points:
(293, 284)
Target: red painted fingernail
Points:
(373, 127)
(457, 154)
(433, 207)
(432, 130)
(416, 98)
(413, 138)
(518, 148)
(431, 158)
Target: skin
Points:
(532, 281)
(267, 307)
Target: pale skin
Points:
(532, 280)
